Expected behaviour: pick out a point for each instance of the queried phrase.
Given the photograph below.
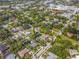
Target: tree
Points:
(5, 34)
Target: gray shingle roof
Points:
(3, 47)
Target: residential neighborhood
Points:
(39, 29)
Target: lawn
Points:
(61, 46)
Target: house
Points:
(27, 33)
(73, 54)
(25, 42)
(59, 33)
(3, 50)
(58, 8)
(5, 26)
(33, 43)
(6, 17)
(56, 20)
(51, 56)
(69, 34)
(6, 0)
(72, 32)
(10, 56)
(37, 34)
(37, 29)
(76, 57)
(45, 37)
(27, 26)
(34, 57)
(23, 52)
(75, 1)
(14, 19)
(4, 7)
(17, 29)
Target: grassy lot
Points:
(61, 46)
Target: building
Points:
(37, 29)
(33, 44)
(24, 52)
(6, 0)
(69, 34)
(75, 1)
(51, 56)
(10, 56)
(73, 54)
(3, 51)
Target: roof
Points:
(33, 44)
(76, 57)
(6, 0)
(70, 34)
(3, 47)
(73, 52)
(52, 56)
(23, 52)
(10, 56)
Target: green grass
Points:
(61, 46)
